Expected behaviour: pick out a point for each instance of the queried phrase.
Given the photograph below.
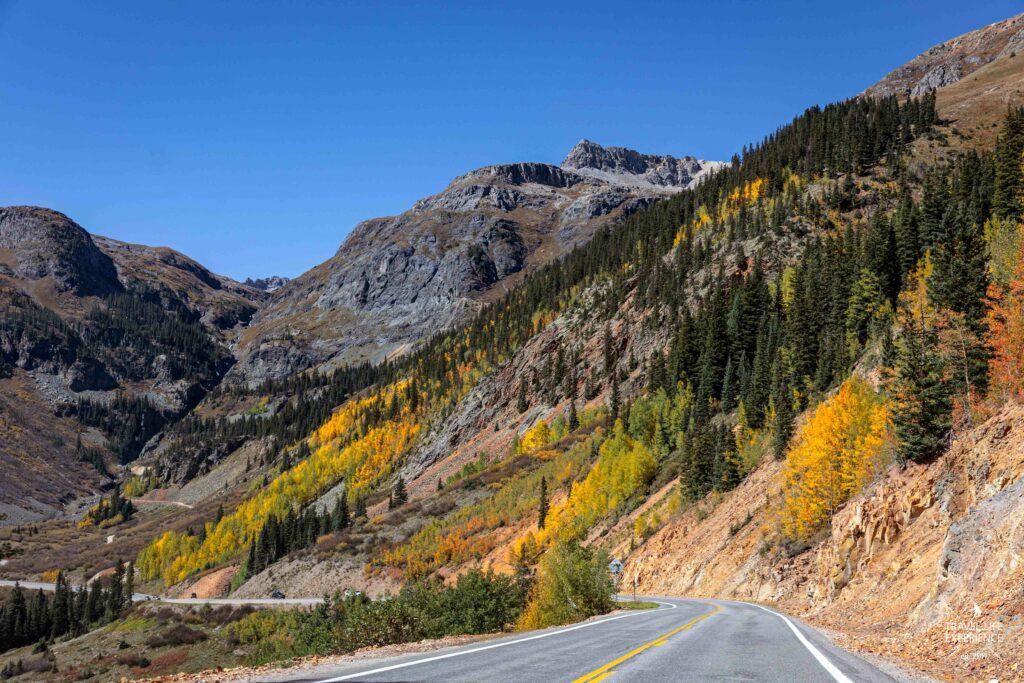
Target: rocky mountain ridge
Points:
(396, 280)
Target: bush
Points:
(573, 584)
(132, 660)
(478, 603)
(176, 635)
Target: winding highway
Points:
(684, 640)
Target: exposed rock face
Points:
(266, 284)
(927, 558)
(622, 166)
(953, 60)
(396, 280)
(943, 74)
(44, 243)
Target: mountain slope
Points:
(128, 330)
(977, 77)
(397, 280)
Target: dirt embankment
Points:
(925, 565)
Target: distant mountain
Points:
(398, 279)
(267, 284)
(137, 333)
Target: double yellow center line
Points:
(606, 670)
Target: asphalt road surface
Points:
(684, 640)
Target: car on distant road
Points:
(194, 596)
(277, 595)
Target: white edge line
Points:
(459, 653)
(822, 659)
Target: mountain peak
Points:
(625, 166)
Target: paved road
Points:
(685, 640)
(145, 597)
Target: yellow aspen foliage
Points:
(838, 452)
(536, 437)
(624, 466)
(344, 449)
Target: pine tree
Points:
(340, 516)
(959, 282)
(60, 608)
(1009, 183)
(574, 420)
(398, 494)
(922, 414)
(614, 403)
(608, 352)
(521, 404)
(542, 507)
(129, 582)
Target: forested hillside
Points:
(752, 338)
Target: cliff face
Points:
(396, 280)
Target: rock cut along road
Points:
(684, 640)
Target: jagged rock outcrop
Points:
(398, 279)
(37, 243)
(622, 166)
(266, 284)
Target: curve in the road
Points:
(482, 648)
(685, 640)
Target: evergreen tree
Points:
(614, 400)
(922, 414)
(340, 516)
(521, 404)
(574, 420)
(542, 507)
(398, 494)
(1009, 165)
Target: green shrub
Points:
(573, 584)
(477, 603)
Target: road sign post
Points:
(615, 568)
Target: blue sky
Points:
(254, 135)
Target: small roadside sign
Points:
(615, 567)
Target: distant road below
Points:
(145, 597)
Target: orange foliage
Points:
(834, 456)
(1006, 323)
